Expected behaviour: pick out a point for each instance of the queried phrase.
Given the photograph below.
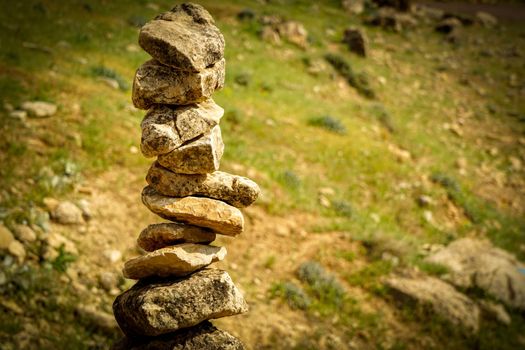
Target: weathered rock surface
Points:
(155, 83)
(200, 337)
(232, 189)
(161, 235)
(67, 213)
(178, 260)
(185, 37)
(356, 41)
(439, 296)
(167, 127)
(39, 109)
(152, 308)
(476, 263)
(205, 212)
(199, 156)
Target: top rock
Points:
(185, 38)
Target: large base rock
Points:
(185, 38)
(201, 337)
(475, 263)
(161, 235)
(232, 189)
(156, 83)
(179, 260)
(199, 211)
(152, 308)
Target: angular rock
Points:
(39, 109)
(476, 263)
(439, 296)
(67, 213)
(199, 337)
(294, 32)
(165, 128)
(205, 212)
(185, 37)
(158, 236)
(152, 308)
(179, 260)
(356, 41)
(235, 190)
(155, 83)
(199, 156)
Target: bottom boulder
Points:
(202, 336)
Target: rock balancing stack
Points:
(169, 307)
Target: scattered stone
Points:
(6, 237)
(179, 260)
(424, 201)
(199, 156)
(112, 255)
(486, 19)
(39, 109)
(85, 207)
(155, 308)
(271, 35)
(19, 115)
(67, 213)
(356, 41)
(54, 242)
(155, 83)
(185, 38)
(108, 280)
(158, 236)
(353, 7)
(17, 250)
(97, 318)
(246, 14)
(477, 264)
(441, 297)
(235, 190)
(205, 212)
(165, 128)
(202, 336)
(496, 312)
(447, 25)
(294, 32)
(25, 233)
(389, 18)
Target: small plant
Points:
(290, 179)
(342, 208)
(270, 262)
(243, 79)
(329, 123)
(293, 294)
(433, 268)
(102, 71)
(322, 283)
(62, 261)
(358, 81)
(379, 111)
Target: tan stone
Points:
(179, 260)
(200, 156)
(211, 213)
(167, 127)
(155, 83)
(235, 190)
(161, 235)
(185, 38)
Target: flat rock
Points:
(200, 156)
(179, 260)
(235, 190)
(161, 235)
(155, 83)
(39, 109)
(476, 263)
(167, 127)
(205, 212)
(152, 308)
(202, 336)
(185, 37)
(443, 299)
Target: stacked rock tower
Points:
(177, 294)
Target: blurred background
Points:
(387, 137)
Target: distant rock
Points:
(235, 190)
(39, 109)
(25, 233)
(203, 336)
(200, 156)
(9, 245)
(98, 318)
(161, 235)
(447, 25)
(271, 35)
(67, 213)
(389, 18)
(53, 243)
(165, 128)
(353, 7)
(486, 19)
(294, 32)
(356, 41)
(6, 237)
(178, 260)
(246, 14)
(439, 296)
(185, 38)
(199, 211)
(152, 308)
(155, 83)
(477, 264)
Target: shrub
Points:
(329, 123)
(358, 81)
(293, 294)
(322, 283)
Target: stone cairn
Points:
(177, 294)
